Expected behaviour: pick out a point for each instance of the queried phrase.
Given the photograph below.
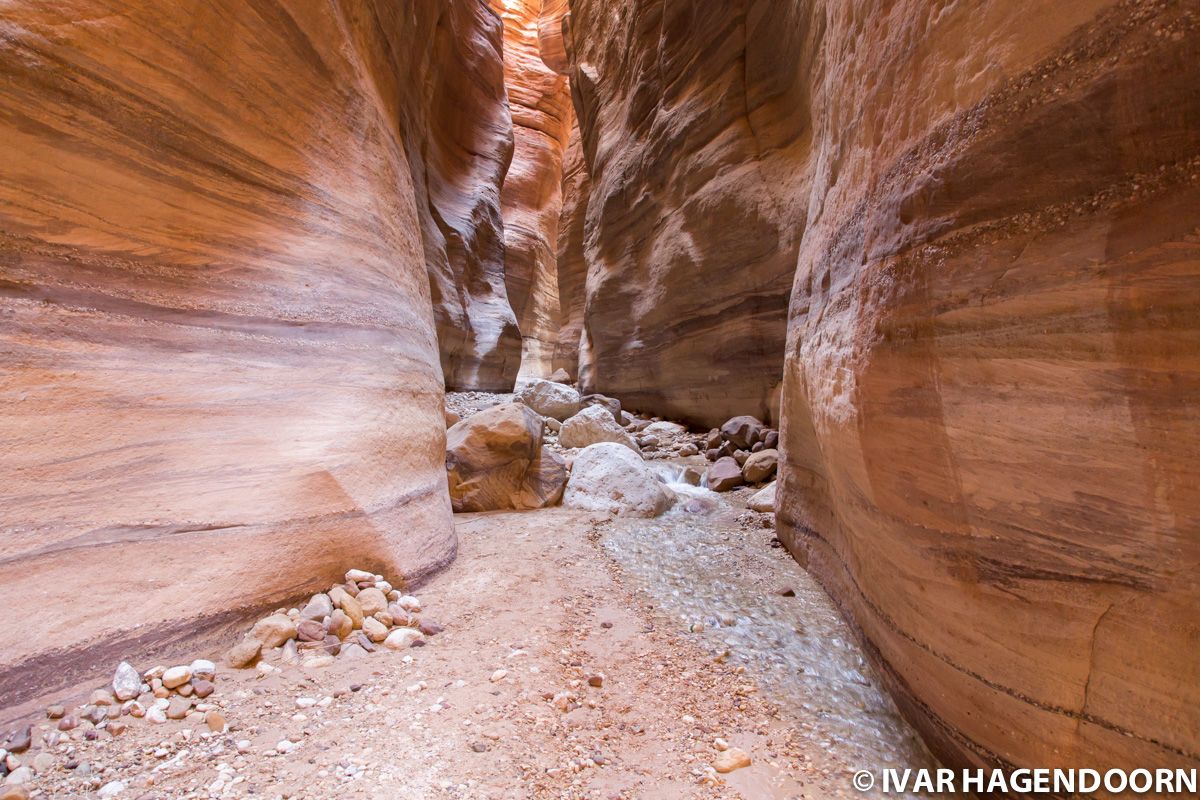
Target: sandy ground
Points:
(532, 595)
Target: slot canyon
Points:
(597, 398)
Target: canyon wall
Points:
(985, 215)
(450, 97)
(221, 379)
(693, 119)
(540, 102)
(992, 396)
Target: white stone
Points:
(127, 684)
(498, 675)
(402, 638)
(764, 499)
(592, 425)
(18, 776)
(667, 429)
(356, 575)
(203, 669)
(410, 603)
(176, 676)
(610, 478)
(305, 702)
(549, 399)
(111, 789)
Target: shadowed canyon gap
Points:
(951, 248)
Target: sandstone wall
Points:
(457, 130)
(220, 375)
(986, 217)
(990, 409)
(571, 266)
(540, 102)
(693, 123)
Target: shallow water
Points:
(713, 575)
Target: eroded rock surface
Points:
(990, 417)
(215, 307)
(496, 460)
(692, 120)
(992, 355)
(540, 102)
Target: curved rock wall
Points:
(220, 375)
(571, 267)
(458, 132)
(990, 406)
(531, 200)
(693, 128)
(985, 217)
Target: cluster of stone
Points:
(351, 620)
(743, 450)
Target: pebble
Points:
(179, 708)
(111, 789)
(721, 744)
(20, 740)
(731, 759)
(498, 675)
(479, 747)
(203, 688)
(243, 746)
(596, 680)
(126, 682)
(176, 677)
(402, 638)
(55, 712)
(203, 669)
(285, 746)
(19, 775)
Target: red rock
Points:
(724, 474)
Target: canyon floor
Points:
(535, 605)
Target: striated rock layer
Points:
(986, 217)
(990, 410)
(457, 129)
(692, 121)
(220, 374)
(540, 102)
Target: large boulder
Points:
(592, 425)
(495, 460)
(724, 474)
(760, 466)
(612, 478)
(550, 399)
(742, 431)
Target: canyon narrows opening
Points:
(594, 399)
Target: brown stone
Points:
(244, 653)
(724, 474)
(760, 466)
(310, 630)
(495, 460)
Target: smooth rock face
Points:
(531, 200)
(550, 399)
(459, 148)
(215, 305)
(692, 122)
(495, 460)
(990, 410)
(591, 425)
(612, 478)
(572, 263)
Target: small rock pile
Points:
(743, 450)
(351, 620)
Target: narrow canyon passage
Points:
(597, 399)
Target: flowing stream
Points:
(709, 566)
